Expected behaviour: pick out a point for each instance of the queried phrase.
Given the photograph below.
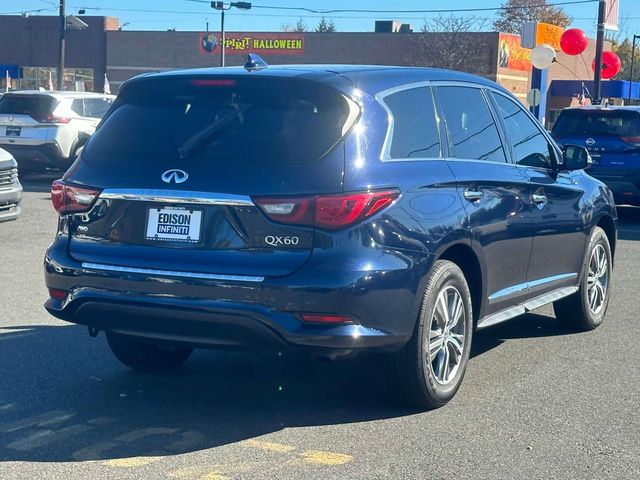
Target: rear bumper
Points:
(624, 185)
(10, 198)
(38, 157)
(224, 313)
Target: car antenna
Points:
(255, 62)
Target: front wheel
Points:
(430, 368)
(585, 309)
(142, 355)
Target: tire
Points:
(145, 356)
(424, 383)
(577, 311)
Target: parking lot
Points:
(537, 401)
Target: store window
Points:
(75, 79)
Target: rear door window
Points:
(415, 130)
(222, 121)
(96, 107)
(593, 123)
(34, 105)
(471, 130)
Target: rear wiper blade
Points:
(204, 136)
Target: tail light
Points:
(634, 141)
(51, 119)
(72, 199)
(57, 293)
(327, 211)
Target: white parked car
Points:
(45, 130)
(10, 188)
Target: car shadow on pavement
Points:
(39, 183)
(64, 398)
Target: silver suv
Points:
(45, 130)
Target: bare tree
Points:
(515, 13)
(450, 42)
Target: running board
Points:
(521, 309)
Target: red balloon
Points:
(574, 41)
(611, 65)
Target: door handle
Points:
(472, 195)
(539, 198)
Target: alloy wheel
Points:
(598, 279)
(446, 335)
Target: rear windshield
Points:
(35, 105)
(617, 123)
(222, 121)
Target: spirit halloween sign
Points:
(260, 43)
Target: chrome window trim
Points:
(176, 196)
(385, 154)
(170, 273)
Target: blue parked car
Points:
(612, 136)
(337, 209)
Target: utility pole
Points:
(61, 31)
(222, 38)
(597, 76)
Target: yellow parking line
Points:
(131, 462)
(214, 476)
(325, 458)
(270, 446)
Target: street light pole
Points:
(222, 37)
(597, 76)
(633, 61)
(222, 6)
(61, 41)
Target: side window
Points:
(96, 107)
(77, 107)
(415, 131)
(530, 146)
(472, 132)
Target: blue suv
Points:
(337, 209)
(612, 136)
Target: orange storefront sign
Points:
(511, 54)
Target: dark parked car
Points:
(612, 136)
(10, 188)
(333, 208)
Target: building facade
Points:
(30, 49)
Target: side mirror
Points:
(575, 157)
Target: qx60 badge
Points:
(175, 175)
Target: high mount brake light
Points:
(327, 211)
(72, 199)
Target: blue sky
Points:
(191, 15)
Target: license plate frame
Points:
(13, 131)
(184, 229)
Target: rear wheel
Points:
(145, 356)
(430, 368)
(585, 309)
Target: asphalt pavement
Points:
(537, 402)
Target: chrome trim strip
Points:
(520, 287)
(532, 304)
(170, 273)
(554, 278)
(176, 196)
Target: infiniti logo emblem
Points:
(590, 141)
(175, 175)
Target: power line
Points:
(459, 10)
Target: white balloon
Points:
(543, 56)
